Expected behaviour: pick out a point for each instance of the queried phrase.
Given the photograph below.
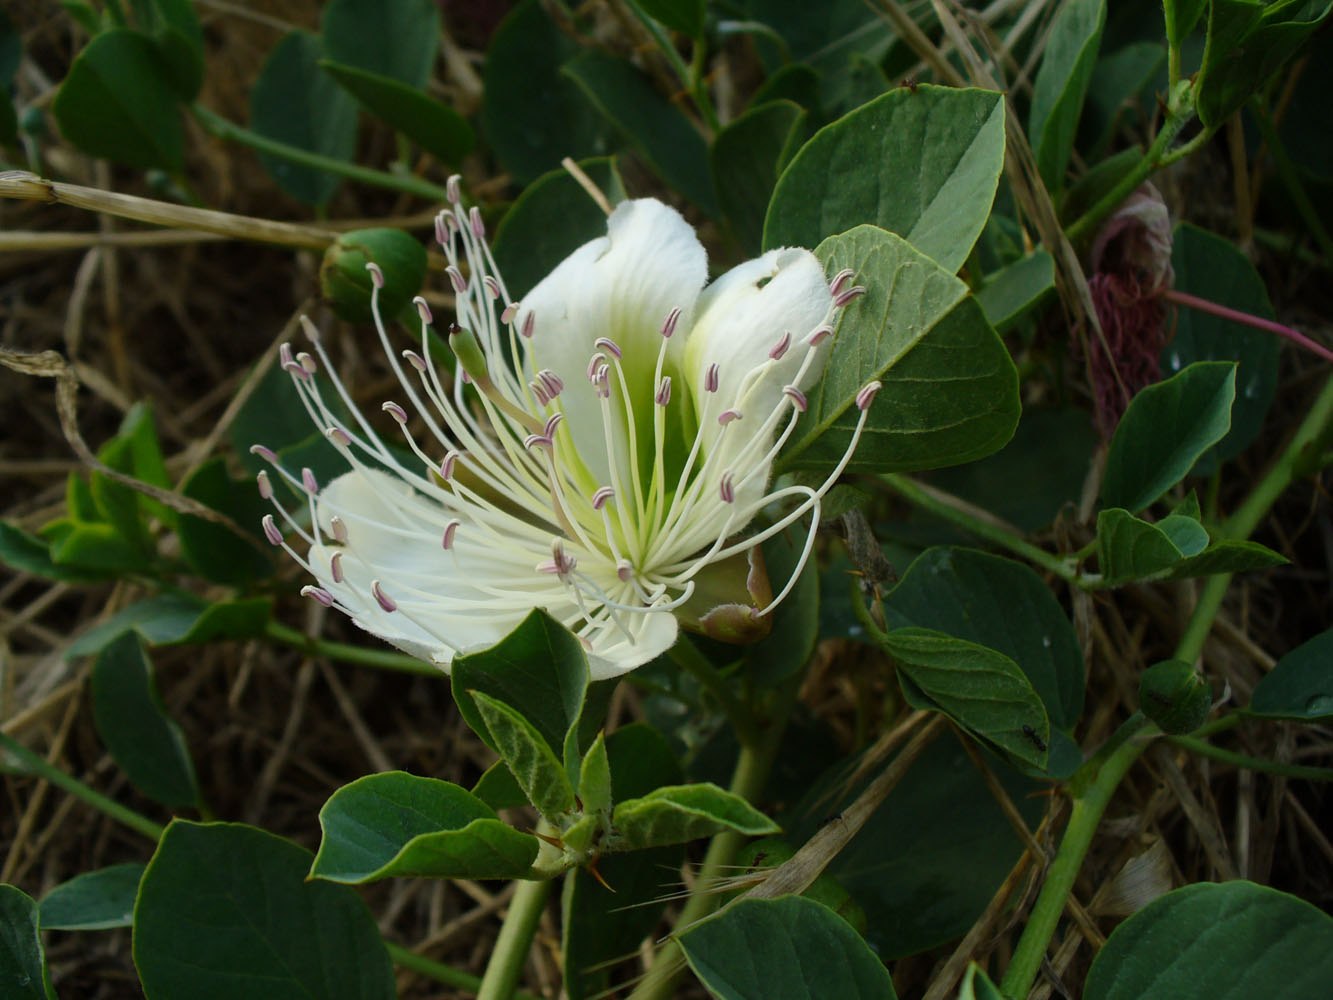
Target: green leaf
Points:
(94, 901)
(168, 620)
(923, 164)
(790, 644)
(1000, 604)
(1217, 942)
(1227, 556)
(602, 926)
(93, 548)
(1301, 685)
(551, 219)
(950, 390)
(678, 814)
(30, 554)
(294, 102)
(1211, 268)
(226, 911)
(1061, 83)
(23, 971)
(399, 824)
(498, 788)
(274, 416)
(11, 50)
(976, 985)
(686, 16)
(213, 550)
(134, 451)
(1016, 290)
(144, 740)
(1181, 17)
(595, 777)
(1164, 431)
(393, 38)
(174, 29)
(435, 127)
(118, 102)
(745, 159)
(1121, 81)
(1131, 549)
(534, 764)
(981, 689)
(1037, 473)
(540, 671)
(930, 858)
(656, 128)
(532, 113)
(1248, 42)
(784, 949)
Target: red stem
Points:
(1258, 322)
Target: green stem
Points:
(38, 765)
(1206, 749)
(685, 654)
(692, 82)
(1083, 823)
(1181, 111)
(748, 780)
(224, 128)
(383, 659)
(928, 500)
(441, 973)
(515, 940)
(1292, 179)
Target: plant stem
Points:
(1050, 904)
(1236, 316)
(932, 501)
(685, 654)
(224, 128)
(38, 765)
(1181, 111)
(441, 973)
(382, 659)
(691, 81)
(1206, 749)
(511, 947)
(748, 781)
(1292, 179)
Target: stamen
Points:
(840, 279)
(796, 396)
(867, 395)
(271, 531)
(552, 382)
(265, 486)
(456, 277)
(415, 360)
(725, 489)
(846, 295)
(310, 330)
(339, 437)
(336, 567)
(384, 600)
(267, 454)
(727, 416)
(529, 325)
(447, 465)
(394, 410)
(453, 189)
(669, 325)
(319, 594)
(450, 530)
(492, 286)
(338, 528)
(510, 311)
(711, 378)
(609, 346)
(376, 275)
(820, 334)
(478, 227)
(597, 361)
(441, 230)
(663, 396)
(423, 310)
(309, 481)
(552, 422)
(780, 348)
(307, 363)
(601, 497)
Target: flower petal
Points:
(621, 286)
(654, 634)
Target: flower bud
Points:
(347, 284)
(1175, 696)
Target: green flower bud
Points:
(1175, 696)
(347, 284)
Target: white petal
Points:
(621, 286)
(740, 318)
(653, 635)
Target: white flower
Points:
(612, 434)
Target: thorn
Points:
(591, 869)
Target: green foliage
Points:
(145, 741)
(270, 931)
(1164, 431)
(931, 411)
(393, 38)
(23, 970)
(1016, 290)
(168, 620)
(677, 814)
(682, 15)
(745, 160)
(435, 127)
(214, 551)
(295, 103)
(1061, 83)
(347, 285)
(921, 163)
(1205, 941)
(94, 901)
(1301, 685)
(784, 949)
(397, 824)
(1174, 696)
(533, 763)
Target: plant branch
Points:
(1205, 749)
(515, 940)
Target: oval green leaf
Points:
(1301, 685)
(1061, 84)
(399, 824)
(144, 740)
(214, 551)
(393, 38)
(1231, 941)
(745, 159)
(1165, 429)
(790, 948)
(94, 901)
(950, 390)
(170, 619)
(533, 763)
(435, 127)
(225, 911)
(118, 102)
(23, 971)
(295, 103)
(678, 814)
(923, 163)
